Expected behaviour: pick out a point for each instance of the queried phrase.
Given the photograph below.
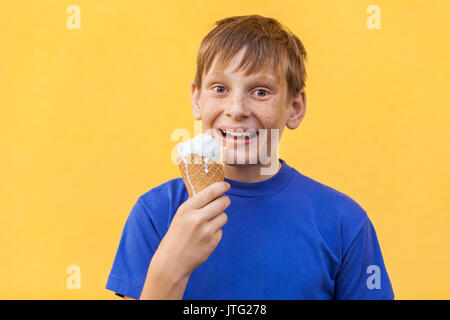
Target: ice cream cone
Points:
(201, 162)
(199, 172)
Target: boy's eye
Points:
(265, 93)
(221, 89)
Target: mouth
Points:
(239, 136)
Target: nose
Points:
(237, 108)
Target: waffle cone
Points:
(195, 177)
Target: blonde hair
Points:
(269, 47)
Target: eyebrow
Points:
(257, 78)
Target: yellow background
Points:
(86, 118)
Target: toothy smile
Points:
(239, 133)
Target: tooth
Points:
(229, 132)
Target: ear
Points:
(297, 110)
(195, 100)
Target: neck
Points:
(252, 172)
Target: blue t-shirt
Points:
(288, 237)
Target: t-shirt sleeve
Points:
(362, 275)
(137, 246)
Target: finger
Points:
(215, 207)
(218, 236)
(218, 221)
(208, 194)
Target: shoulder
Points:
(165, 193)
(330, 203)
(338, 217)
(160, 203)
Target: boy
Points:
(284, 235)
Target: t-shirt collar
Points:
(263, 188)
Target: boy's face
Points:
(230, 100)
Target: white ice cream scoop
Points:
(203, 145)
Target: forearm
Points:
(162, 284)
